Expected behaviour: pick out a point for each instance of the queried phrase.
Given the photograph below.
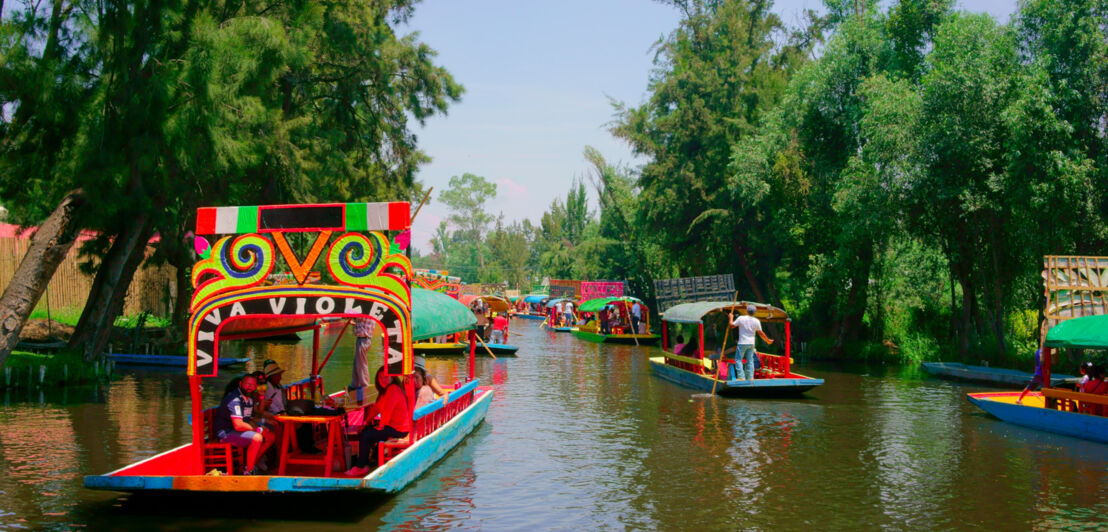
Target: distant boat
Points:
(692, 369)
(621, 332)
(432, 348)
(501, 349)
(986, 374)
(177, 361)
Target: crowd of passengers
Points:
(246, 417)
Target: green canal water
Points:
(582, 436)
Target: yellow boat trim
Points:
(689, 360)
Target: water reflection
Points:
(583, 436)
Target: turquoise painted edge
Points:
(391, 478)
(701, 382)
(415, 460)
(1082, 426)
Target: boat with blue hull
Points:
(175, 361)
(990, 375)
(1032, 413)
(686, 363)
(1053, 409)
(378, 291)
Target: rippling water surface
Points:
(582, 436)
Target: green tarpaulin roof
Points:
(1089, 332)
(435, 314)
(594, 305)
(695, 312)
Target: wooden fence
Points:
(152, 290)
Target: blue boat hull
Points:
(530, 317)
(989, 375)
(1082, 426)
(167, 360)
(734, 388)
(502, 349)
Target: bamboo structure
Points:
(1074, 286)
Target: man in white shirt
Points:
(559, 312)
(636, 317)
(747, 326)
(570, 319)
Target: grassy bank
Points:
(24, 370)
(70, 316)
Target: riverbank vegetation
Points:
(890, 175)
(121, 118)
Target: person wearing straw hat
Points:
(274, 392)
(747, 326)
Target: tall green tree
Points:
(156, 107)
(466, 199)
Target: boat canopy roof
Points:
(1089, 332)
(435, 314)
(495, 303)
(552, 302)
(594, 305)
(695, 312)
(534, 298)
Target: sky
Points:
(539, 79)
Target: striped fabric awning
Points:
(392, 216)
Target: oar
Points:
(722, 348)
(482, 342)
(634, 333)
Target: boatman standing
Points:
(747, 326)
(363, 329)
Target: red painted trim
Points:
(205, 220)
(197, 460)
(315, 359)
(788, 346)
(472, 354)
(399, 217)
(700, 327)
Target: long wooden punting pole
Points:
(665, 336)
(634, 333)
(723, 348)
(333, 346)
(198, 427)
(788, 347)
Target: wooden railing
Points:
(700, 366)
(773, 365)
(1082, 403)
(429, 418)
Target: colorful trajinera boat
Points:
(558, 324)
(373, 283)
(1058, 410)
(531, 308)
(685, 361)
(619, 331)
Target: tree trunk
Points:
(49, 246)
(967, 312)
(114, 275)
(119, 295)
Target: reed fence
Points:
(152, 290)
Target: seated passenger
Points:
(1095, 385)
(395, 422)
(680, 345)
(424, 394)
(234, 424)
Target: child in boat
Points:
(1095, 385)
(1037, 378)
(1084, 372)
